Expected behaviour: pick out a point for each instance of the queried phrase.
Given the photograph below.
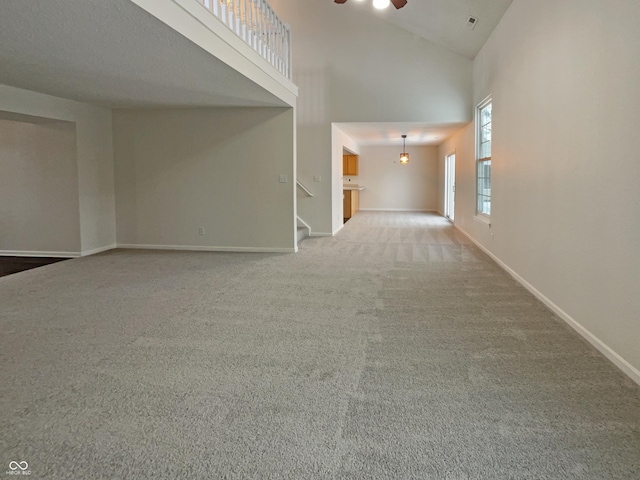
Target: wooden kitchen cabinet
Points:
(351, 203)
(350, 165)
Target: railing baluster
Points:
(280, 44)
(238, 22)
(267, 31)
(234, 18)
(289, 55)
(258, 25)
(247, 21)
(274, 42)
(270, 33)
(250, 24)
(263, 29)
(243, 20)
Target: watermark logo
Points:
(18, 468)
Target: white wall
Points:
(564, 76)
(179, 170)
(94, 153)
(346, 65)
(391, 186)
(39, 210)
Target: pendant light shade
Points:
(404, 156)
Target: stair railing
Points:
(256, 23)
(304, 189)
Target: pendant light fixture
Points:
(404, 156)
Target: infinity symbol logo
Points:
(15, 465)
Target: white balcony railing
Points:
(255, 22)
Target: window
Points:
(483, 167)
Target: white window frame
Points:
(481, 216)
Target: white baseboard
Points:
(607, 351)
(86, 253)
(397, 210)
(207, 249)
(323, 234)
(30, 253)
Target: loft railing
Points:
(255, 22)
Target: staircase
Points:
(303, 232)
(303, 228)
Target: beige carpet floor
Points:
(394, 350)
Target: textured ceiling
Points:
(391, 133)
(444, 22)
(112, 53)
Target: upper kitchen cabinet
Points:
(350, 165)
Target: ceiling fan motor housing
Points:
(396, 3)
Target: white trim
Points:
(28, 253)
(446, 218)
(397, 210)
(602, 347)
(483, 219)
(323, 234)
(208, 249)
(305, 189)
(304, 224)
(488, 99)
(97, 250)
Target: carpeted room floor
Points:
(396, 349)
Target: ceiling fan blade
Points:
(397, 3)
(340, 1)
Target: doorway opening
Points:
(450, 186)
(39, 191)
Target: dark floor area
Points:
(10, 265)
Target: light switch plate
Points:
(283, 179)
(317, 178)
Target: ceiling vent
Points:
(471, 22)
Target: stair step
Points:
(303, 232)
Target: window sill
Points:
(483, 219)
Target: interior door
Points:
(450, 186)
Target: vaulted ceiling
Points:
(443, 22)
(57, 47)
(440, 22)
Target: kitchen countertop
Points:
(352, 187)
